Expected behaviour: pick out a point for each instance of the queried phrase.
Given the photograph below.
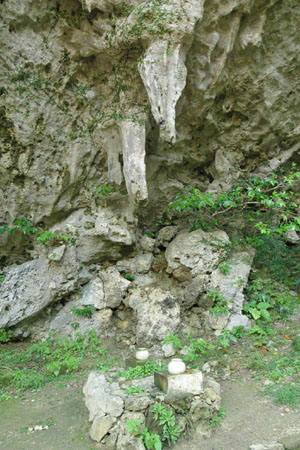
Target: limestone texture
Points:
(107, 110)
(157, 313)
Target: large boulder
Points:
(200, 252)
(106, 290)
(100, 399)
(101, 235)
(157, 312)
(231, 285)
(30, 287)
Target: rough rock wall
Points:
(148, 97)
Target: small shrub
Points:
(84, 311)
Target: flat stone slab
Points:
(190, 382)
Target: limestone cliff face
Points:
(149, 96)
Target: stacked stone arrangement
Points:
(193, 400)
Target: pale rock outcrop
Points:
(63, 320)
(30, 287)
(163, 70)
(133, 145)
(99, 397)
(99, 235)
(198, 251)
(232, 284)
(157, 313)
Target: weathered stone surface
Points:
(93, 294)
(143, 262)
(137, 403)
(29, 288)
(157, 312)
(198, 251)
(238, 320)
(133, 144)
(168, 350)
(232, 284)
(63, 320)
(193, 291)
(190, 382)
(57, 253)
(291, 442)
(165, 235)
(163, 70)
(99, 398)
(99, 235)
(100, 427)
(147, 243)
(292, 237)
(115, 288)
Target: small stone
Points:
(137, 403)
(123, 324)
(147, 244)
(206, 367)
(168, 350)
(57, 253)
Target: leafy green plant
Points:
(86, 311)
(2, 278)
(132, 390)
(151, 440)
(224, 268)
(174, 340)
(253, 196)
(166, 418)
(218, 420)
(140, 371)
(26, 227)
(105, 191)
(129, 276)
(227, 336)
(196, 348)
(53, 357)
(260, 336)
(5, 335)
(220, 306)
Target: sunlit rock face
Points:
(149, 97)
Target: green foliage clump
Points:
(140, 371)
(220, 306)
(218, 420)
(195, 348)
(5, 335)
(266, 301)
(154, 441)
(285, 394)
(174, 340)
(132, 390)
(151, 440)
(271, 198)
(25, 226)
(86, 311)
(44, 361)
